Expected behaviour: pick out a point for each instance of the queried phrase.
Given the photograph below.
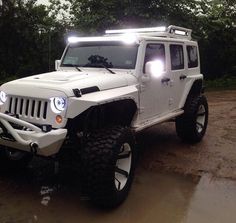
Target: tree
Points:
(212, 21)
(26, 33)
(216, 26)
(32, 35)
(95, 16)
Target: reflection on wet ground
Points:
(214, 200)
(37, 195)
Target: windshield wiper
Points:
(72, 65)
(99, 65)
(77, 68)
(111, 71)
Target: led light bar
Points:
(129, 36)
(123, 38)
(73, 39)
(92, 39)
(142, 30)
(161, 31)
(179, 32)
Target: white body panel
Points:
(32, 138)
(67, 80)
(78, 105)
(156, 101)
(154, 94)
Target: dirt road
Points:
(216, 154)
(175, 182)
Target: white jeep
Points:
(104, 90)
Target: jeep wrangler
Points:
(104, 90)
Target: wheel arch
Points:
(194, 88)
(120, 112)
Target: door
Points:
(155, 92)
(178, 74)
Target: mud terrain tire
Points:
(104, 154)
(191, 126)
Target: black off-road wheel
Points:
(108, 160)
(11, 159)
(192, 125)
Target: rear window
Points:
(192, 56)
(177, 57)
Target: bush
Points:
(4, 77)
(224, 83)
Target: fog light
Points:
(58, 119)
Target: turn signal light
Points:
(58, 119)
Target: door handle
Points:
(182, 77)
(165, 80)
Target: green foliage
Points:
(212, 21)
(95, 16)
(32, 35)
(26, 34)
(223, 83)
(217, 37)
(4, 77)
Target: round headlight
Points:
(3, 97)
(58, 104)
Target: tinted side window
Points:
(192, 56)
(177, 57)
(155, 52)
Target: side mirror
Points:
(57, 64)
(148, 67)
(154, 69)
(146, 77)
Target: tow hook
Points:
(33, 148)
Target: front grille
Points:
(28, 107)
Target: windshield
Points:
(110, 55)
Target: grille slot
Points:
(28, 108)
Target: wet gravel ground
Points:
(216, 154)
(175, 182)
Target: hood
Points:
(66, 81)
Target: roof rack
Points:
(160, 31)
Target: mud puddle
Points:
(34, 196)
(213, 200)
(162, 191)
